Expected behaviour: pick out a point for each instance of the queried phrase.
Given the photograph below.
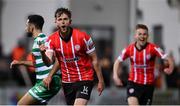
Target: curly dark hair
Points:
(37, 20)
(60, 11)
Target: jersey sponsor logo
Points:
(58, 49)
(85, 90)
(140, 66)
(71, 59)
(77, 47)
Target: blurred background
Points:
(111, 24)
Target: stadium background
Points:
(111, 24)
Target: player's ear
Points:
(31, 26)
(70, 21)
(55, 20)
(135, 36)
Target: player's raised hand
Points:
(13, 63)
(42, 46)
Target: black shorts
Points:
(144, 93)
(81, 89)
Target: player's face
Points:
(63, 21)
(141, 36)
(28, 29)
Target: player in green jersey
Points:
(39, 93)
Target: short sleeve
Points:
(124, 54)
(89, 44)
(160, 53)
(41, 39)
(49, 45)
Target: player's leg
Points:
(69, 93)
(39, 94)
(146, 98)
(134, 92)
(84, 92)
(42, 93)
(27, 99)
(133, 101)
(80, 101)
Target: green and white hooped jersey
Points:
(41, 69)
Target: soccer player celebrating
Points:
(77, 58)
(38, 94)
(142, 56)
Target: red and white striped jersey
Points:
(73, 57)
(142, 62)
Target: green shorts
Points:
(41, 93)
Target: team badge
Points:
(131, 90)
(148, 56)
(77, 47)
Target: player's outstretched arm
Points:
(116, 73)
(16, 62)
(169, 67)
(98, 71)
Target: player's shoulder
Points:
(152, 44)
(79, 32)
(54, 35)
(130, 45)
(42, 35)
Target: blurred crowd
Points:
(17, 76)
(25, 76)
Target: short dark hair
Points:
(37, 20)
(60, 11)
(141, 26)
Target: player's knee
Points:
(20, 103)
(133, 101)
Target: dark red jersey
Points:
(73, 57)
(142, 62)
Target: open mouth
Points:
(63, 26)
(141, 39)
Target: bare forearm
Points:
(55, 68)
(46, 59)
(171, 63)
(98, 71)
(26, 63)
(116, 69)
